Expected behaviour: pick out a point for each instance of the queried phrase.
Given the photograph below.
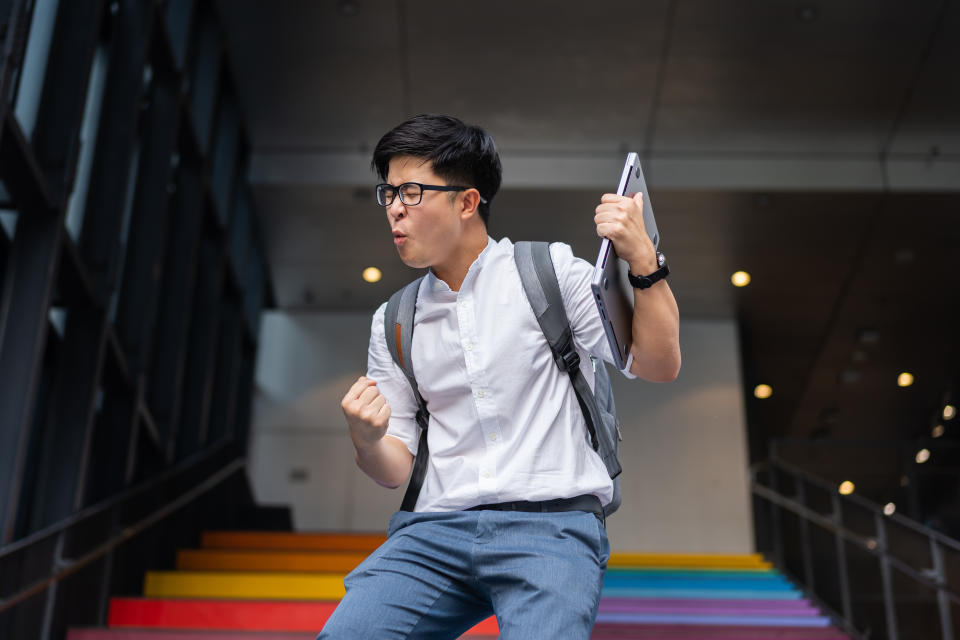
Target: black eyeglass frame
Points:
(397, 191)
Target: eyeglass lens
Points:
(410, 193)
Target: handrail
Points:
(860, 501)
(72, 566)
(877, 547)
(193, 461)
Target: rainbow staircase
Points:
(283, 586)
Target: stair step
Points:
(602, 631)
(232, 615)
(181, 634)
(271, 560)
(703, 619)
(291, 541)
(667, 581)
(708, 606)
(696, 593)
(243, 585)
(696, 560)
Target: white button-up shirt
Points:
(505, 423)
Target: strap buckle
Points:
(568, 361)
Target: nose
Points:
(396, 210)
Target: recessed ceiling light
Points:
(905, 379)
(949, 412)
(807, 13)
(889, 509)
(372, 274)
(922, 456)
(937, 431)
(763, 391)
(846, 488)
(740, 279)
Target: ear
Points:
(469, 203)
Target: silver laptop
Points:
(611, 290)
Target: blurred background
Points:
(188, 227)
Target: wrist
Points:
(643, 266)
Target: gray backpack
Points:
(543, 292)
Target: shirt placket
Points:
(488, 424)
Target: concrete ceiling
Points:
(816, 145)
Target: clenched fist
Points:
(367, 413)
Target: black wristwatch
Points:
(645, 282)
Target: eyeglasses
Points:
(411, 193)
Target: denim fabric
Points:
(438, 574)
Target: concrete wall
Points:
(684, 448)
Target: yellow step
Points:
(689, 560)
(243, 585)
(291, 541)
(248, 560)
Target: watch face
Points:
(661, 259)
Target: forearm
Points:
(656, 334)
(387, 461)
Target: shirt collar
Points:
(435, 284)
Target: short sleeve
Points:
(574, 275)
(393, 385)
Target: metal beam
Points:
(29, 286)
(148, 224)
(115, 142)
(165, 388)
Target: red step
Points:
(233, 615)
(178, 634)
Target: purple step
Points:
(720, 632)
(709, 606)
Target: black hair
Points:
(461, 154)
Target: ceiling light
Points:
(740, 279)
(871, 544)
(905, 379)
(807, 13)
(889, 509)
(846, 488)
(937, 431)
(763, 391)
(372, 274)
(922, 456)
(949, 412)
(348, 7)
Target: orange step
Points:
(270, 560)
(365, 542)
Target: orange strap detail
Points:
(400, 348)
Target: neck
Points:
(454, 270)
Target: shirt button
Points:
(480, 393)
(485, 474)
(468, 347)
(493, 436)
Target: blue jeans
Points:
(438, 574)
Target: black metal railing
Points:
(902, 551)
(94, 534)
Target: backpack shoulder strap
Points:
(539, 279)
(398, 327)
(398, 330)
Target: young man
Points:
(508, 520)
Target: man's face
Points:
(427, 233)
